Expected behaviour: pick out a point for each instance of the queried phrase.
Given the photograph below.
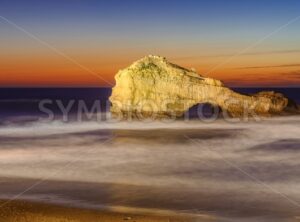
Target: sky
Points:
(253, 43)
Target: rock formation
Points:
(154, 87)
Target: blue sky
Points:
(119, 32)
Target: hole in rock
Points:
(203, 111)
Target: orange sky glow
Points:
(84, 44)
(55, 70)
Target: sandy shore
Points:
(23, 211)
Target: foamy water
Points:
(243, 171)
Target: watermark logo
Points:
(148, 110)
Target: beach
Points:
(243, 171)
(150, 111)
(24, 211)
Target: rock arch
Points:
(152, 85)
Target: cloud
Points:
(273, 52)
(291, 79)
(242, 54)
(293, 75)
(266, 67)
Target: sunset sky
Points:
(85, 42)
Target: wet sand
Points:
(24, 211)
(124, 200)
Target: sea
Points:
(222, 170)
